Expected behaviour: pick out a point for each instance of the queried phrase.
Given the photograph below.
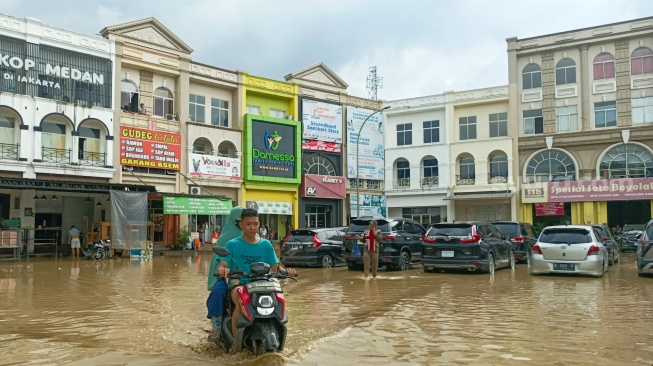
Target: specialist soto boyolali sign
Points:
(173, 205)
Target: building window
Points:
(627, 161)
(196, 108)
(641, 61)
(219, 112)
(567, 118)
(430, 172)
(499, 124)
(277, 113)
(403, 174)
(550, 166)
(423, 215)
(404, 134)
(202, 146)
(603, 66)
(498, 168)
(353, 182)
(467, 128)
(531, 76)
(53, 135)
(533, 122)
(128, 96)
(89, 147)
(319, 165)
(253, 109)
(565, 71)
(7, 131)
(373, 184)
(467, 169)
(163, 103)
(642, 110)
(431, 131)
(605, 114)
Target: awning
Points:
(480, 196)
(66, 186)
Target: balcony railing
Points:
(493, 178)
(402, 183)
(429, 182)
(92, 158)
(51, 155)
(465, 180)
(10, 151)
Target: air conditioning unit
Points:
(195, 191)
(127, 168)
(170, 117)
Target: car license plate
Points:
(447, 253)
(564, 266)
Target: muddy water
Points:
(122, 312)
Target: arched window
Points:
(565, 71)
(227, 149)
(403, 173)
(128, 95)
(641, 61)
(163, 102)
(467, 169)
(532, 76)
(626, 161)
(603, 66)
(498, 168)
(430, 172)
(550, 166)
(202, 146)
(54, 139)
(319, 164)
(9, 120)
(91, 149)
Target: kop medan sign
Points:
(272, 150)
(591, 190)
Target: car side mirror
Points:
(221, 251)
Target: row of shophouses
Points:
(568, 139)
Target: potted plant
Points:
(182, 238)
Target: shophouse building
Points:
(582, 101)
(272, 158)
(180, 130)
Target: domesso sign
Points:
(273, 149)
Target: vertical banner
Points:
(371, 157)
(322, 124)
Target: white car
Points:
(569, 249)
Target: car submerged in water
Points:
(630, 234)
(313, 248)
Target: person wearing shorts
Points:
(372, 238)
(73, 240)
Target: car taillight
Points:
(389, 237)
(316, 243)
(282, 300)
(593, 250)
(474, 239)
(517, 239)
(244, 298)
(283, 243)
(347, 237)
(429, 239)
(537, 249)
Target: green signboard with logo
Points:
(272, 151)
(196, 206)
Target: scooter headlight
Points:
(265, 301)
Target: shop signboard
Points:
(272, 150)
(323, 186)
(550, 209)
(589, 190)
(184, 205)
(213, 166)
(371, 206)
(322, 124)
(371, 157)
(150, 149)
(274, 208)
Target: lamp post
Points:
(358, 139)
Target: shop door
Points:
(317, 217)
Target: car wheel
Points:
(490, 263)
(512, 260)
(404, 262)
(326, 261)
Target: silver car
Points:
(571, 249)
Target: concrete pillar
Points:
(585, 79)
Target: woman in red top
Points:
(372, 238)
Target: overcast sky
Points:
(420, 47)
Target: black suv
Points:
(312, 247)
(610, 243)
(522, 234)
(629, 236)
(401, 244)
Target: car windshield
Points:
(450, 230)
(566, 236)
(632, 229)
(508, 228)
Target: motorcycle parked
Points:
(97, 250)
(262, 327)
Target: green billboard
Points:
(196, 206)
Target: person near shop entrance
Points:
(263, 232)
(73, 241)
(372, 238)
(215, 301)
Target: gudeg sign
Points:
(150, 149)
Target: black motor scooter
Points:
(262, 326)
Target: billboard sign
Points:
(371, 206)
(589, 190)
(322, 126)
(214, 166)
(150, 149)
(323, 186)
(272, 150)
(371, 156)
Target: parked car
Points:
(312, 247)
(522, 234)
(474, 246)
(644, 251)
(400, 247)
(610, 243)
(630, 234)
(571, 249)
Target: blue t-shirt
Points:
(73, 231)
(244, 254)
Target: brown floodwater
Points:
(122, 312)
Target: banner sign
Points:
(322, 126)
(323, 186)
(589, 190)
(371, 155)
(550, 209)
(214, 166)
(150, 149)
(275, 208)
(371, 206)
(273, 149)
(173, 205)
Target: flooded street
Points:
(122, 312)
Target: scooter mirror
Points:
(221, 251)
